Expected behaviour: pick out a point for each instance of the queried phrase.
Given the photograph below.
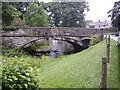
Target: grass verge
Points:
(112, 75)
(81, 70)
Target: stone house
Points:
(99, 24)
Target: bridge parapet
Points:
(53, 31)
(28, 34)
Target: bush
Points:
(18, 75)
(18, 23)
(37, 45)
(95, 39)
(110, 30)
(9, 28)
(9, 52)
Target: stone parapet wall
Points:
(23, 36)
(53, 31)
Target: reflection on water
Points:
(53, 55)
(57, 48)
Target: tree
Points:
(67, 14)
(20, 6)
(9, 13)
(115, 15)
(36, 15)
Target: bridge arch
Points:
(86, 42)
(78, 46)
(29, 42)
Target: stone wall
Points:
(61, 31)
(22, 36)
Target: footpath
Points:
(114, 37)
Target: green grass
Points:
(112, 78)
(81, 70)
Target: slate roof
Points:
(99, 23)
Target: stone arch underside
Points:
(78, 46)
(85, 42)
(29, 42)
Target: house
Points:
(99, 24)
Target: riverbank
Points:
(80, 70)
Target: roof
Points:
(101, 23)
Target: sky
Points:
(98, 9)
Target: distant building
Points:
(99, 24)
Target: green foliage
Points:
(67, 14)
(18, 75)
(110, 30)
(36, 15)
(115, 15)
(9, 28)
(18, 23)
(9, 13)
(32, 47)
(95, 39)
(12, 52)
(40, 45)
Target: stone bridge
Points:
(75, 36)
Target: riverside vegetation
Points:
(80, 70)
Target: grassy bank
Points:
(112, 78)
(81, 70)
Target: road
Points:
(114, 37)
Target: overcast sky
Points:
(98, 9)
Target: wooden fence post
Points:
(103, 82)
(108, 51)
(106, 38)
(108, 48)
(109, 39)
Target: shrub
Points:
(95, 39)
(9, 28)
(9, 52)
(18, 75)
(18, 23)
(37, 45)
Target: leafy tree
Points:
(36, 15)
(20, 6)
(67, 14)
(115, 15)
(9, 13)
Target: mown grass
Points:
(81, 70)
(112, 76)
